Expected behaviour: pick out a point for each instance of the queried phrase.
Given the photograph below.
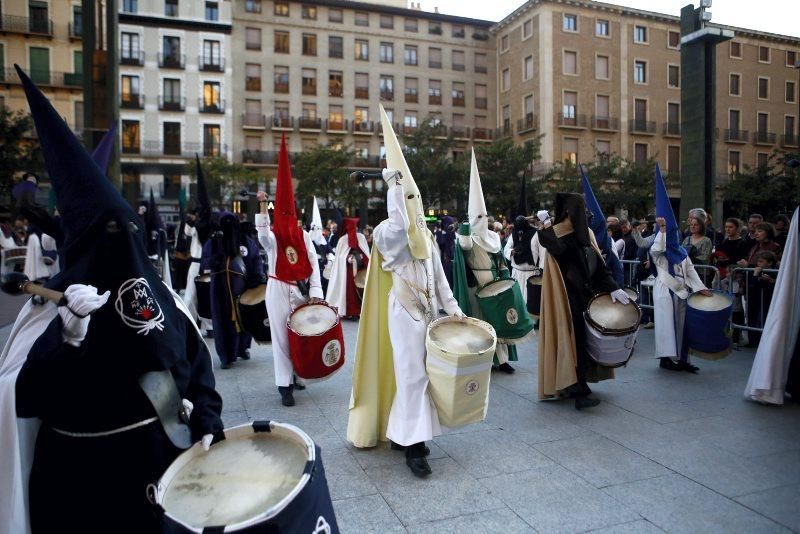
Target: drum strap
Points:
(119, 430)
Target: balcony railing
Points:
(172, 61)
(736, 136)
(282, 122)
(460, 132)
(481, 69)
(481, 103)
(252, 84)
(434, 64)
(210, 107)
(484, 134)
(75, 30)
(336, 126)
(459, 67)
(259, 157)
(409, 129)
(46, 78)
(132, 101)
(16, 24)
(211, 64)
(642, 126)
(183, 150)
(761, 137)
(368, 161)
(605, 123)
(459, 101)
(439, 130)
(435, 100)
(171, 104)
(504, 131)
(131, 58)
(789, 140)
(363, 127)
(529, 122)
(672, 129)
(362, 92)
(571, 120)
(387, 95)
(254, 120)
(412, 98)
(309, 123)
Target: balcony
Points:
(571, 120)
(412, 98)
(129, 58)
(458, 67)
(434, 64)
(30, 26)
(761, 137)
(282, 122)
(672, 129)
(363, 127)
(182, 150)
(217, 106)
(435, 100)
(529, 123)
(75, 31)
(643, 127)
(395, 127)
(439, 130)
(171, 103)
(481, 103)
(789, 140)
(211, 64)
(336, 126)
(172, 61)
(387, 95)
(254, 121)
(734, 135)
(252, 84)
(460, 132)
(45, 78)
(409, 129)
(362, 92)
(132, 101)
(366, 161)
(481, 69)
(310, 123)
(504, 131)
(259, 157)
(459, 101)
(606, 124)
(482, 134)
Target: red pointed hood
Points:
(351, 227)
(292, 263)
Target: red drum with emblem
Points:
(316, 341)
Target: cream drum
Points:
(611, 330)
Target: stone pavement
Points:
(665, 451)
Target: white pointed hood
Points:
(315, 231)
(478, 218)
(418, 233)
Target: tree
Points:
(769, 189)
(323, 172)
(501, 165)
(19, 152)
(224, 180)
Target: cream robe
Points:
(282, 298)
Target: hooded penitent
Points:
(418, 233)
(478, 218)
(598, 226)
(675, 253)
(102, 152)
(315, 230)
(231, 239)
(523, 231)
(292, 258)
(202, 205)
(156, 231)
(573, 206)
(351, 228)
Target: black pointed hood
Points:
(102, 152)
(572, 204)
(202, 202)
(522, 201)
(156, 229)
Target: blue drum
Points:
(707, 325)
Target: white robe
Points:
(37, 265)
(413, 417)
(521, 273)
(190, 293)
(282, 298)
(767, 381)
(670, 307)
(337, 283)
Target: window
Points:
(570, 62)
(362, 18)
(673, 76)
(640, 153)
(435, 58)
(673, 119)
(734, 161)
(335, 83)
(131, 141)
(763, 54)
(410, 120)
(790, 92)
(309, 44)
(171, 49)
(788, 127)
(602, 147)
(458, 31)
(481, 96)
(171, 8)
(673, 39)
(130, 53)
(281, 83)
(736, 50)
(387, 53)
(362, 85)
(252, 80)
(639, 34)
(361, 115)
(129, 88)
(281, 9)
(212, 11)
(505, 82)
(281, 114)
(281, 42)
(435, 28)
(527, 68)
(569, 151)
(171, 97)
(252, 6)
(458, 60)
(386, 85)
(130, 6)
(335, 14)
(172, 138)
(253, 115)
(527, 110)
(762, 159)
(335, 46)
(734, 84)
(601, 68)
(791, 58)
(504, 43)
(77, 22)
(602, 111)
(734, 119)
(602, 28)
(309, 113)
(570, 107)
(673, 159)
(40, 64)
(211, 59)
(309, 81)
(457, 94)
(570, 23)
(480, 63)
(527, 29)
(763, 88)
(411, 25)
(78, 113)
(411, 91)
(335, 118)
(640, 72)
(762, 124)
(387, 22)
(211, 140)
(640, 114)
(435, 92)
(410, 55)
(309, 12)
(253, 38)
(362, 49)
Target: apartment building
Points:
(316, 71)
(595, 77)
(44, 38)
(175, 92)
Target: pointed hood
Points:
(351, 228)
(103, 247)
(478, 218)
(598, 226)
(202, 202)
(156, 230)
(675, 253)
(292, 264)
(315, 230)
(574, 206)
(418, 233)
(522, 201)
(102, 152)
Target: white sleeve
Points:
(691, 277)
(465, 242)
(265, 236)
(189, 231)
(509, 247)
(314, 281)
(659, 244)
(445, 295)
(48, 243)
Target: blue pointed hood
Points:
(102, 152)
(598, 227)
(675, 252)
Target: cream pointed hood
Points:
(418, 233)
(315, 231)
(478, 218)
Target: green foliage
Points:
(501, 165)
(770, 189)
(323, 172)
(18, 151)
(224, 180)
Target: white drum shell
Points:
(610, 350)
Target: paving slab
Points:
(779, 504)
(500, 520)
(641, 526)
(366, 514)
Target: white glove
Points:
(206, 441)
(458, 313)
(620, 295)
(391, 174)
(81, 301)
(188, 406)
(542, 215)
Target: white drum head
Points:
(632, 293)
(254, 295)
(461, 337)
(609, 315)
(495, 288)
(202, 278)
(313, 319)
(716, 302)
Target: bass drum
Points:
(202, 286)
(707, 325)
(534, 301)
(253, 313)
(611, 330)
(316, 341)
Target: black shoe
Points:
(688, 367)
(226, 365)
(287, 398)
(245, 355)
(419, 466)
(585, 402)
(506, 368)
(297, 385)
(397, 447)
(667, 363)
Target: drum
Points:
(707, 328)
(632, 294)
(316, 341)
(459, 366)
(611, 329)
(534, 302)
(360, 281)
(263, 477)
(501, 305)
(202, 286)
(253, 313)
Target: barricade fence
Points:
(751, 296)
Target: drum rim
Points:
(465, 319)
(251, 290)
(243, 429)
(334, 325)
(716, 292)
(611, 331)
(202, 278)
(496, 281)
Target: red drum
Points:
(316, 341)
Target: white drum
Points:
(611, 330)
(459, 365)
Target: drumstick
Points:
(18, 284)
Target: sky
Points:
(774, 16)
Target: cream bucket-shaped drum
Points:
(459, 366)
(611, 330)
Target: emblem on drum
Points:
(512, 316)
(291, 255)
(472, 387)
(331, 352)
(322, 526)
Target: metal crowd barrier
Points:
(752, 304)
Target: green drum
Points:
(501, 305)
